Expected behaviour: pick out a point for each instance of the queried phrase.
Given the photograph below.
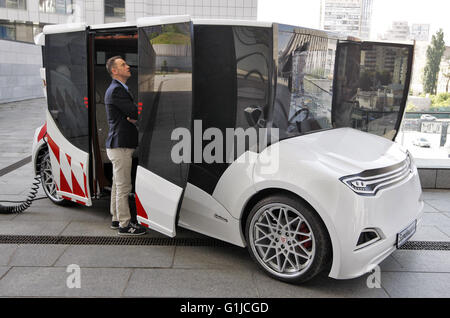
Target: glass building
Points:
(349, 17)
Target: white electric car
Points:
(331, 192)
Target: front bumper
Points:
(389, 212)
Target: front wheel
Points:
(48, 182)
(287, 239)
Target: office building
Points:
(21, 20)
(347, 17)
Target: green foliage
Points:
(411, 107)
(434, 55)
(440, 101)
(171, 38)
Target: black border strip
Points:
(15, 166)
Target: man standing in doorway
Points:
(121, 142)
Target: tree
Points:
(434, 55)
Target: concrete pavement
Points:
(29, 270)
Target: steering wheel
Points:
(304, 112)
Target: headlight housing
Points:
(369, 182)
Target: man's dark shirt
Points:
(119, 105)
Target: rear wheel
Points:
(47, 180)
(287, 239)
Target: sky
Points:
(307, 13)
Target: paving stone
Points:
(416, 285)
(429, 233)
(36, 255)
(445, 230)
(118, 256)
(428, 208)
(438, 219)
(6, 251)
(31, 227)
(442, 205)
(191, 283)
(212, 257)
(52, 282)
(77, 228)
(3, 270)
(434, 194)
(390, 264)
(423, 261)
(320, 286)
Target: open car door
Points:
(371, 85)
(66, 70)
(165, 107)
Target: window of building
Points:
(114, 11)
(13, 4)
(56, 6)
(19, 31)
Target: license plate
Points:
(406, 234)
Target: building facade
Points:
(420, 32)
(21, 20)
(347, 17)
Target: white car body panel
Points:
(311, 165)
(69, 164)
(235, 186)
(201, 213)
(159, 199)
(37, 144)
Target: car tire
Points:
(287, 239)
(47, 181)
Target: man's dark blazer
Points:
(120, 105)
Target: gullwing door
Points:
(371, 86)
(165, 108)
(66, 69)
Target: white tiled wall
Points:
(92, 11)
(19, 71)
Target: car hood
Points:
(348, 150)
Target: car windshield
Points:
(304, 82)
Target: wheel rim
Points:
(48, 182)
(282, 240)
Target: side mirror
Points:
(253, 115)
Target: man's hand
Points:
(133, 121)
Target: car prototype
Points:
(340, 196)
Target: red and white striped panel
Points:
(69, 166)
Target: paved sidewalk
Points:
(28, 270)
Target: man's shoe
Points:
(131, 230)
(115, 225)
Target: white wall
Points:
(19, 71)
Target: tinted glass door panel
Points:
(165, 104)
(68, 117)
(371, 87)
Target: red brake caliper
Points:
(304, 229)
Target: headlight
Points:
(369, 182)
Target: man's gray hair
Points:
(110, 63)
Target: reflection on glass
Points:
(304, 85)
(165, 95)
(371, 87)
